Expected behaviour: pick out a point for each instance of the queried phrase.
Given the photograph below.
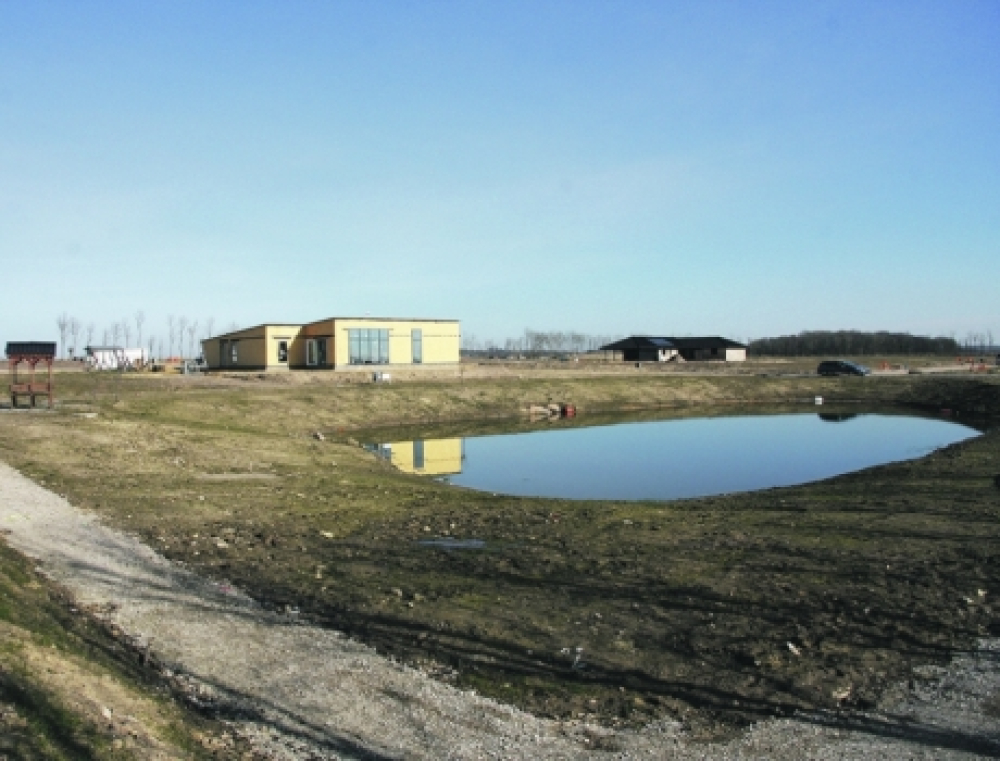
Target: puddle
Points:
(446, 543)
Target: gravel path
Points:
(302, 692)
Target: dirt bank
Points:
(699, 616)
(298, 691)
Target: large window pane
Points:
(417, 339)
(368, 346)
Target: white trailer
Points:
(115, 358)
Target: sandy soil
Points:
(301, 692)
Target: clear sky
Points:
(704, 167)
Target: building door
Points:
(316, 352)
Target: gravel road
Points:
(297, 691)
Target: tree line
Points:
(854, 342)
(538, 342)
(181, 338)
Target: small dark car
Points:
(841, 367)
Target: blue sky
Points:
(741, 168)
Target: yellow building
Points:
(431, 457)
(337, 343)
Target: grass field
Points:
(716, 611)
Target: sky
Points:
(744, 169)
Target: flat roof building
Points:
(337, 343)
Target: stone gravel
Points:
(296, 691)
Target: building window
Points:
(316, 352)
(384, 451)
(234, 353)
(282, 351)
(368, 346)
(418, 454)
(417, 339)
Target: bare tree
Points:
(116, 331)
(127, 331)
(170, 329)
(536, 340)
(90, 333)
(209, 324)
(140, 317)
(104, 340)
(74, 330)
(192, 330)
(182, 324)
(62, 322)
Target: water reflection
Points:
(434, 457)
(670, 459)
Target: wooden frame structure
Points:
(31, 353)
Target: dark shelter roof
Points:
(662, 342)
(37, 348)
(708, 342)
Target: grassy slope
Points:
(677, 606)
(71, 690)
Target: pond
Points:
(674, 458)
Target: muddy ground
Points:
(716, 611)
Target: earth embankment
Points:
(711, 613)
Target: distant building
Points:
(668, 349)
(336, 343)
(114, 358)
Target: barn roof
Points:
(706, 342)
(639, 342)
(665, 342)
(38, 348)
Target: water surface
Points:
(671, 459)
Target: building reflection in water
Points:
(433, 457)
